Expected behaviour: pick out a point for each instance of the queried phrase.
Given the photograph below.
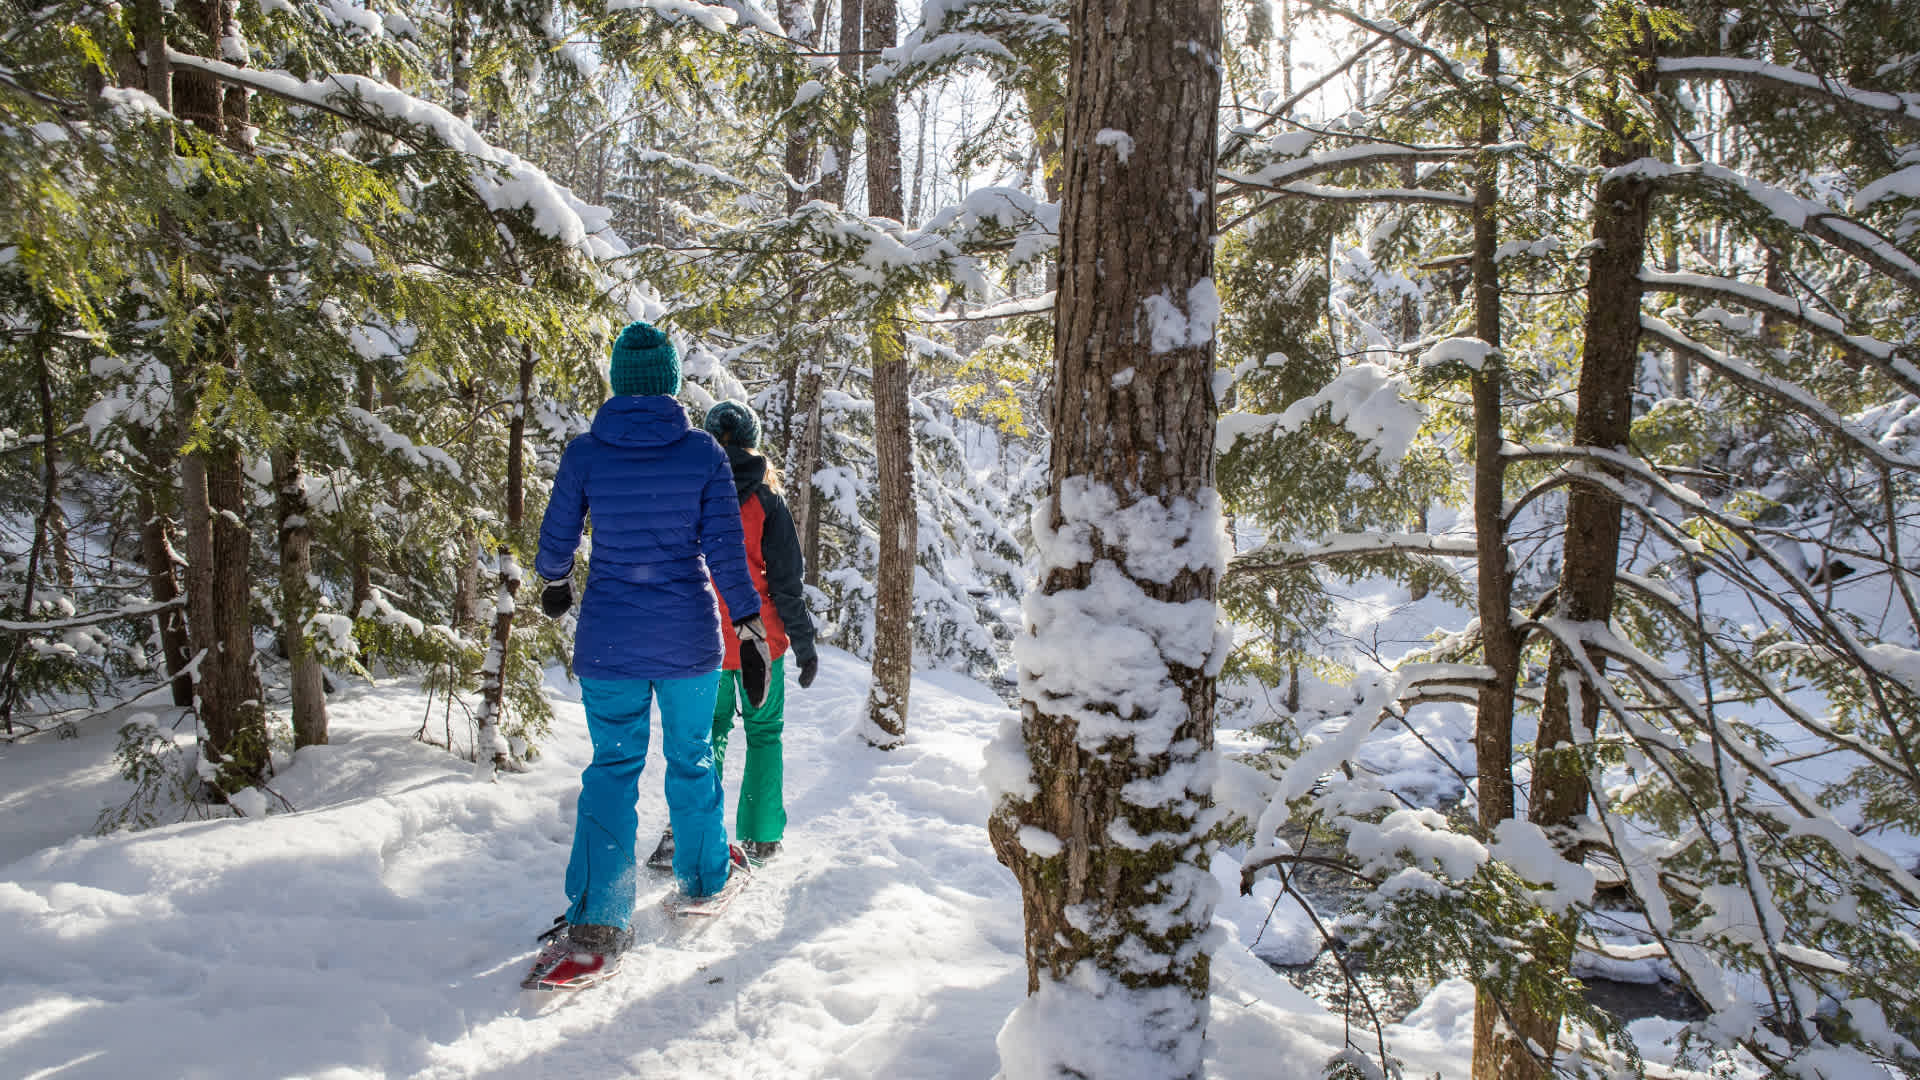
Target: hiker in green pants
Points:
(775, 563)
(761, 819)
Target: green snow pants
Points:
(762, 815)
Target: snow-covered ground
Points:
(382, 929)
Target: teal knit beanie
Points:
(644, 362)
(733, 424)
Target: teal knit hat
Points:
(733, 424)
(644, 362)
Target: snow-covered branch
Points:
(1240, 138)
(1428, 196)
(1399, 34)
(1287, 170)
(502, 180)
(91, 618)
(1901, 109)
(1286, 556)
(1791, 395)
(1005, 309)
(1808, 216)
(1870, 350)
(1581, 640)
(1662, 598)
(1368, 400)
(1882, 664)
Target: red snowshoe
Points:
(576, 957)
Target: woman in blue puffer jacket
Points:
(665, 515)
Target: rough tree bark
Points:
(214, 483)
(893, 430)
(1103, 832)
(1609, 358)
(298, 598)
(1500, 644)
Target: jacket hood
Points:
(641, 420)
(749, 469)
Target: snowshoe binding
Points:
(760, 852)
(662, 857)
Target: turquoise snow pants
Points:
(600, 874)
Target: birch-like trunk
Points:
(156, 550)
(360, 546)
(491, 748)
(1104, 831)
(298, 598)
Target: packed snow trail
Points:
(381, 931)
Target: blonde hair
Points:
(772, 477)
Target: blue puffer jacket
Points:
(662, 496)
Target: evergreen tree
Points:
(1102, 787)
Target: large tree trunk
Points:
(1105, 833)
(298, 598)
(1609, 359)
(893, 431)
(219, 609)
(214, 484)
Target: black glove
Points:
(808, 669)
(556, 598)
(756, 659)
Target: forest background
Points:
(1593, 323)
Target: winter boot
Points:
(760, 851)
(662, 857)
(739, 870)
(577, 956)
